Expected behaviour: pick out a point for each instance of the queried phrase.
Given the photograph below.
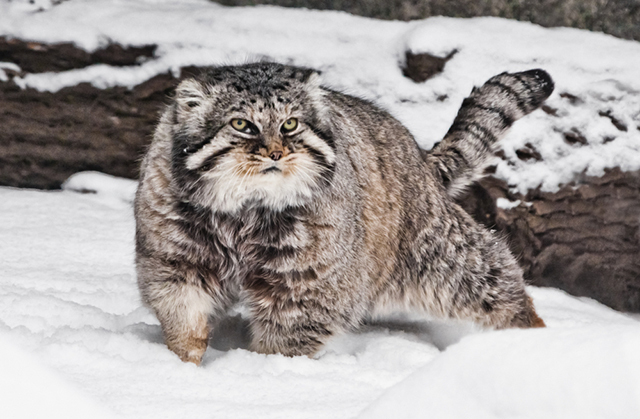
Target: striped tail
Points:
(483, 119)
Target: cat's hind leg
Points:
(462, 270)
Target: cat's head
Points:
(255, 134)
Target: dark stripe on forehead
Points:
(212, 160)
(517, 97)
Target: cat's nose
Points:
(276, 155)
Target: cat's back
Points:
(381, 150)
(386, 166)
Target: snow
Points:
(363, 56)
(103, 184)
(506, 204)
(7, 66)
(68, 294)
(29, 390)
(551, 373)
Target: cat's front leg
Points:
(293, 320)
(290, 337)
(182, 306)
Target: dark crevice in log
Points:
(584, 238)
(35, 57)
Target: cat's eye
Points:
(244, 126)
(239, 124)
(290, 124)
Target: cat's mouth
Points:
(271, 169)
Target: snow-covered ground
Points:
(73, 331)
(68, 297)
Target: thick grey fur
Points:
(352, 219)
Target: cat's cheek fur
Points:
(233, 184)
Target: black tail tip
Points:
(545, 82)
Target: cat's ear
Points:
(305, 75)
(314, 79)
(190, 94)
(318, 95)
(191, 101)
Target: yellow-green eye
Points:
(239, 124)
(290, 124)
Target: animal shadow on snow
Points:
(151, 333)
(232, 332)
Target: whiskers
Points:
(305, 172)
(240, 178)
(243, 171)
(316, 171)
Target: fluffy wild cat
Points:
(317, 209)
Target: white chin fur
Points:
(226, 189)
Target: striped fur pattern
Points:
(349, 218)
(483, 119)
